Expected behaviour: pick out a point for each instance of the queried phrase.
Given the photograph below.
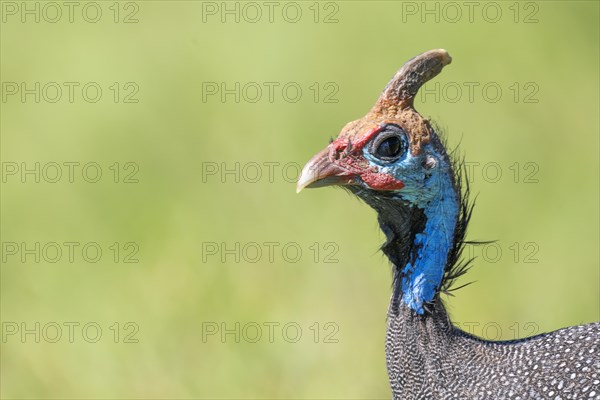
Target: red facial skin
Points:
(351, 160)
(379, 181)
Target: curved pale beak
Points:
(321, 171)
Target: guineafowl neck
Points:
(419, 333)
(420, 236)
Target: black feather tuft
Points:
(456, 266)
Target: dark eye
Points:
(390, 144)
(389, 148)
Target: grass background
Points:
(175, 290)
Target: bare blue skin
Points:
(428, 181)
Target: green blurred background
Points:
(543, 210)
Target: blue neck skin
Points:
(432, 191)
(422, 276)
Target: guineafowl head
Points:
(393, 159)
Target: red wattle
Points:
(380, 181)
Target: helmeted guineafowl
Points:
(394, 160)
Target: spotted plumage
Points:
(394, 160)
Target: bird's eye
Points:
(389, 148)
(390, 144)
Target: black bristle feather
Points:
(455, 267)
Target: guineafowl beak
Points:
(321, 171)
